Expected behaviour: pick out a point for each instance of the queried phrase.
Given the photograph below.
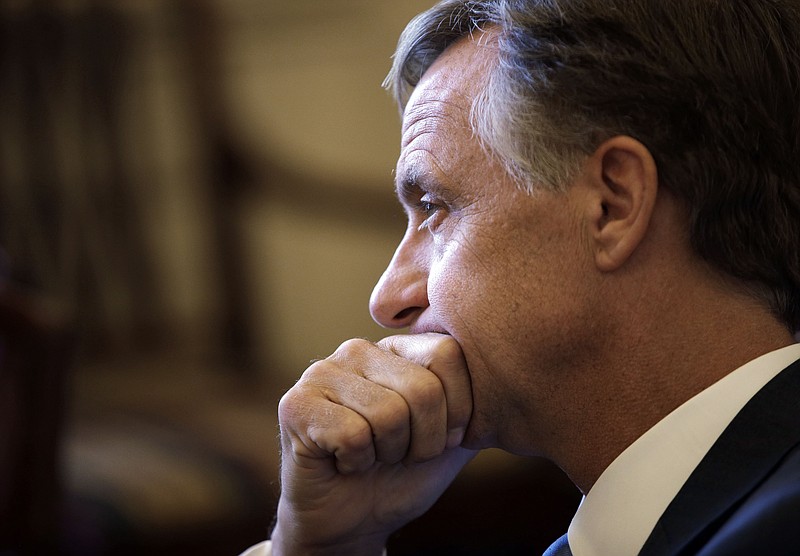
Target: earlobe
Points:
(625, 178)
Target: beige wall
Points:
(306, 78)
(307, 82)
(299, 88)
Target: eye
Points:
(428, 208)
(432, 211)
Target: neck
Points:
(651, 365)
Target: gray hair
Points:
(524, 142)
(711, 87)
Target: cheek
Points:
(445, 279)
(499, 290)
(451, 277)
(468, 285)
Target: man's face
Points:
(500, 270)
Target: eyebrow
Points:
(407, 188)
(412, 183)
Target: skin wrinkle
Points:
(466, 242)
(452, 199)
(429, 111)
(413, 183)
(412, 186)
(435, 164)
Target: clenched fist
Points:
(370, 439)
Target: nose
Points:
(401, 294)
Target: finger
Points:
(421, 390)
(316, 431)
(425, 398)
(440, 354)
(385, 411)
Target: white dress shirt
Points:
(623, 506)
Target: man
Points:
(601, 266)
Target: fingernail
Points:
(455, 437)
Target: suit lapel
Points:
(759, 436)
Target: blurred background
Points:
(195, 201)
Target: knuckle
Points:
(389, 342)
(352, 347)
(392, 419)
(426, 392)
(354, 439)
(296, 412)
(288, 406)
(316, 372)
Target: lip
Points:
(429, 331)
(423, 328)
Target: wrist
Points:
(286, 541)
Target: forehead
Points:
(438, 144)
(446, 91)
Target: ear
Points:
(624, 178)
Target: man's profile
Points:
(601, 267)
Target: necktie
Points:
(559, 548)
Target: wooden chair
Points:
(34, 357)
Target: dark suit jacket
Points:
(744, 497)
